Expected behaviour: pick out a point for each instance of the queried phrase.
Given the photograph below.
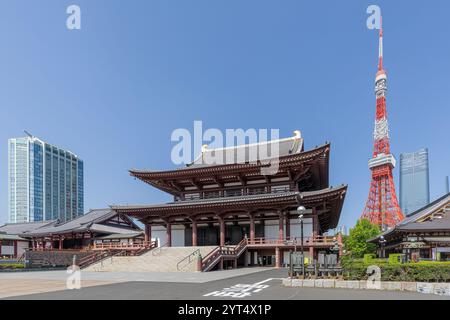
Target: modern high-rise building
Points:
(44, 182)
(414, 181)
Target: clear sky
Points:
(114, 91)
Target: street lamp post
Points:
(382, 243)
(301, 210)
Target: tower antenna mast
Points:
(382, 206)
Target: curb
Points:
(422, 287)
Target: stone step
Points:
(165, 260)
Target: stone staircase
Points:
(163, 259)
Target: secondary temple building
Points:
(422, 235)
(235, 203)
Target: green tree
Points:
(356, 242)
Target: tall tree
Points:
(357, 243)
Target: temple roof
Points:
(434, 217)
(313, 163)
(247, 153)
(93, 221)
(19, 228)
(331, 198)
(9, 237)
(121, 236)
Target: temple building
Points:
(422, 235)
(98, 229)
(250, 215)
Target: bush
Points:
(424, 271)
(11, 266)
(368, 257)
(396, 258)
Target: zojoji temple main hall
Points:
(249, 217)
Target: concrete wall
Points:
(159, 233)
(307, 227)
(271, 228)
(9, 250)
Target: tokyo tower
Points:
(382, 206)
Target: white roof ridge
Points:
(254, 144)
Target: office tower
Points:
(44, 181)
(414, 181)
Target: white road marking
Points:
(241, 290)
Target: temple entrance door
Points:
(235, 234)
(208, 236)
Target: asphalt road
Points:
(266, 285)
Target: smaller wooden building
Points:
(88, 231)
(422, 235)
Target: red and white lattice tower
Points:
(382, 205)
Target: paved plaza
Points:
(240, 284)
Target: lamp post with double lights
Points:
(301, 211)
(382, 244)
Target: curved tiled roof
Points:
(20, 228)
(91, 221)
(419, 220)
(267, 200)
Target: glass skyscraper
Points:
(44, 182)
(414, 181)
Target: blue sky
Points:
(114, 91)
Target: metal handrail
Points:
(195, 253)
(158, 250)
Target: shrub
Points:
(12, 266)
(424, 271)
(368, 257)
(396, 258)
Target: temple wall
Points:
(159, 232)
(307, 227)
(271, 229)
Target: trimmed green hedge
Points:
(424, 271)
(12, 266)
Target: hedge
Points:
(424, 271)
(12, 266)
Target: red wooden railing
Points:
(106, 250)
(210, 260)
(123, 246)
(290, 241)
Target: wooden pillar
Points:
(15, 248)
(222, 230)
(315, 223)
(194, 234)
(288, 227)
(277, 258)
(311, 254)
(148, 233)
(280, 227)
(252, 228)
(43, 245)
(60, 246)
(169, 234)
